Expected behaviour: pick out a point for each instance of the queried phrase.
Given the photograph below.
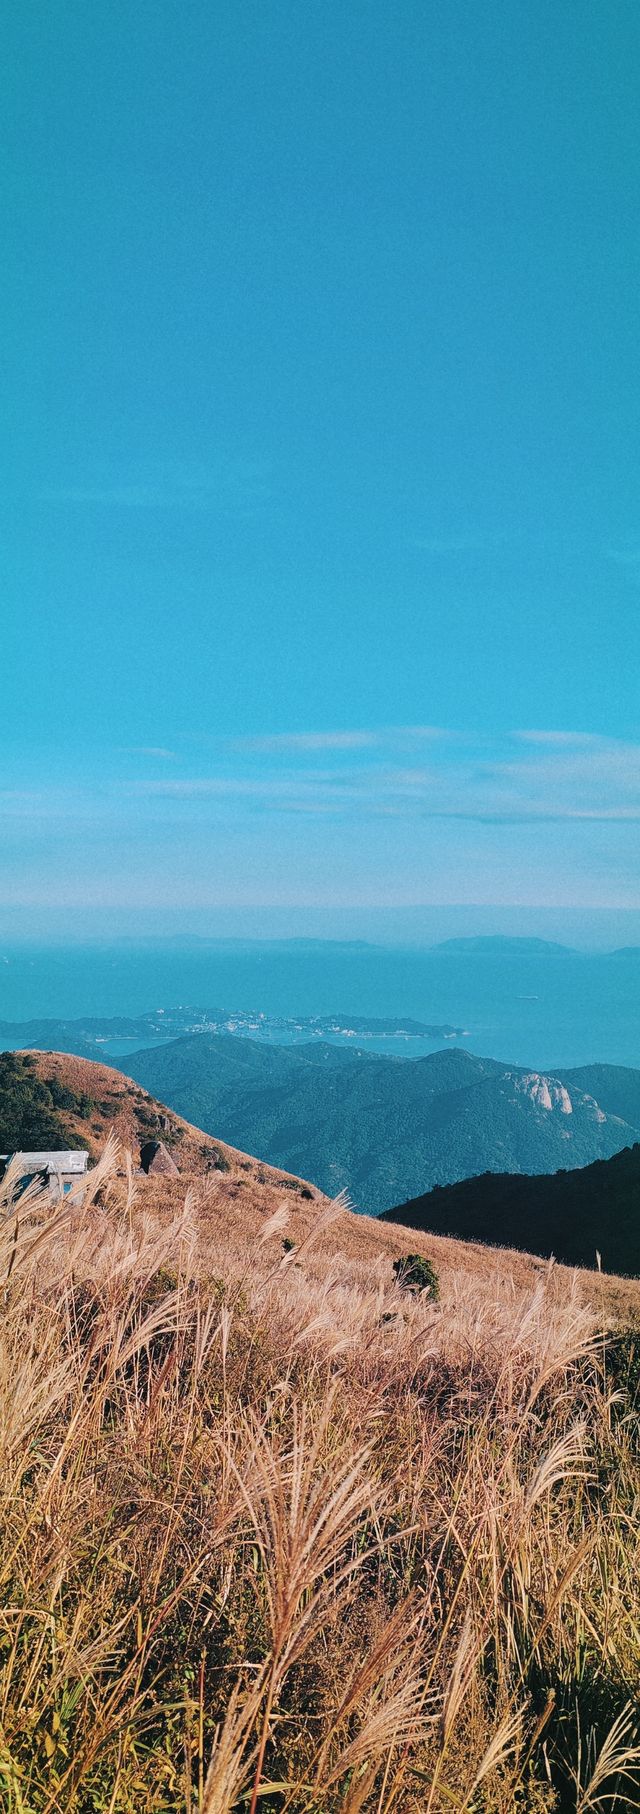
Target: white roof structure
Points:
(75, 1161)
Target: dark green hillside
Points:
(32, 1110)
(573, 1215)
(381, 1128)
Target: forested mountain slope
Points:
(383, 1128)
(573, 1215)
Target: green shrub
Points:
(216, 1161)
(415, 1273)
(30, 1108)
(64, 1098)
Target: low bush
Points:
(415, 1273)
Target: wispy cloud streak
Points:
(307, 741)
(230, 485)
(530, 777)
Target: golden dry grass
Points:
(276, 1535)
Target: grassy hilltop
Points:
(54, 1100)
(277, 1534)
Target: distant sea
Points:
(535, 1005)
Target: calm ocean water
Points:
(539, 1008)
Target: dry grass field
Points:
(277, 1535)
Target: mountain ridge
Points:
(368, 1124)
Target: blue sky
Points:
(320, 502)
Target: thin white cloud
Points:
(537, 779)
(227, 484)
(428, 733)
(307, 740)
(150, 749)
(556, 779)
(303, 741)
(465, 542)
(124, 497)
(560, 739)
(196, 787)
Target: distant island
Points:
(348, 1024)
(498, 946)
(89, 1034)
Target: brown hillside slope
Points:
(119, 1105)
(231, 1205)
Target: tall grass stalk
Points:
(274, 1538)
